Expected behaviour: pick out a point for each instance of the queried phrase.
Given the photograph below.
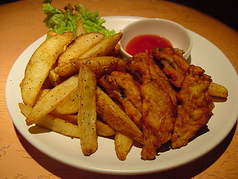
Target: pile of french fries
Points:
(60, 92)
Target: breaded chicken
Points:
(194, 108)
(166, 97)
(123, 87)
(158, 108)
(172, 62)
(158, 118)
(143, 68)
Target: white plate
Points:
(67, 150)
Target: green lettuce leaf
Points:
(66, 20)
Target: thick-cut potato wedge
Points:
(41, 93)
(87, 113)
(116, 51)
(112, 114)
(66, 124)
(55, 79)
(80, 28)
(79, 46)
(104, 47)
(47, 84)
(123, 145)
(72, 118)
(25, 109)
(104, 129)
(51, 99)
(52, 123)
(98, 65)
(66, 70)
(69, 105)
(40, 64)
(217, 90)
(59, 125)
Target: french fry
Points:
(72, 118)
(40, 64)
(25, 109)
(79, 46)
(104, 129)
(66, 70)
(47, 84)
(104, 47)
(52, 123)
(41, 93)
(217, 90)
(98, 65)
(54, 78)
(69, 105)
(66, 124)
(123, 145)
(80, 28)
(112, 114)
(51, 99)
(116, 51)
(87, 114)
(59, 125)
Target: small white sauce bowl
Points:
(178, 36)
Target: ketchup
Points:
(144, 43)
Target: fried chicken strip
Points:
(172, 62)
(143, 68)
(158, 118)
(122, 86)
(195, 106)
(158, 110)
(194, 102)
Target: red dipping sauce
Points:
(144, 43)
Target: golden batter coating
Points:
(195, 106)
(123, 87)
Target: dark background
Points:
(7, 1)
(225, 11)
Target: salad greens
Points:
(66, 20)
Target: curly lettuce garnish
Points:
(66, 20)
